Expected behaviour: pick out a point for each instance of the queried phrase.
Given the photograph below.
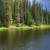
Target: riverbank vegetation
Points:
(21, 14)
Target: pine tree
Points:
(8, 11)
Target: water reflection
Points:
(3, 37)
(24, 40)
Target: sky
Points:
(44, 3)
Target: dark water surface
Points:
(25, 40)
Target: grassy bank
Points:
(25, 27)
(42, 26)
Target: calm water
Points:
(25, 40)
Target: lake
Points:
(25, 40)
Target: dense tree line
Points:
(21, 11)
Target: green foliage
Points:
(28, 17)
(22, 12)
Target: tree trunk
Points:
(8, 11)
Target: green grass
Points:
(25, 27)
(42, 26)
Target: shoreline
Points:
(26, 27)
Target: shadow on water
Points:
(3, 37)
(20, 39)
